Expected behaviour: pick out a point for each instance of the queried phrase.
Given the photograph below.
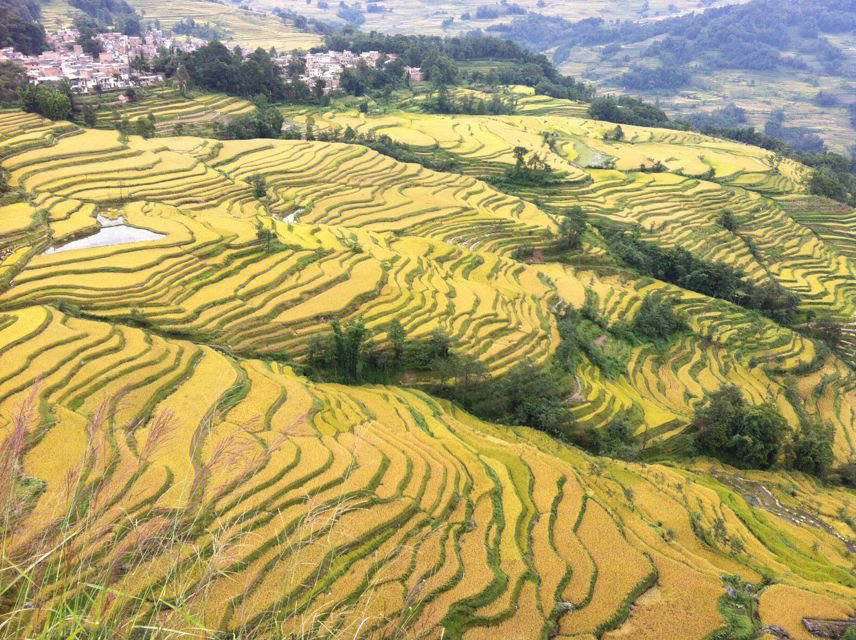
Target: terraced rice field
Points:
(244, 27)
(427, 16)
(327, 508)
(364, 236)
(170, 108)
(678, 206)
(361, 236)
(206, 486)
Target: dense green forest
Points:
(758, 35)
(20, 27)
(440, 58)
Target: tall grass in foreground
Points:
(98, 558)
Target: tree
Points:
(520, 157)
(441, 69)
(616, 134)
(12, 79)
(90, 117)
(812, 449)
(296, 67)
(397, 337)
(264, 236)
(348, 345)
(131, 26)
(182, 78)
(572, 229)
(259, 186)
(656, 318)
(318, 89)
(739, 434)
(728, 221)
(827, 328)
(52, 100)
(846, 473)
(144, 127)
(139, 64)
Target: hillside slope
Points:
(252, 500)
(762, 56)
(161, 444)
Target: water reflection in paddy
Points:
(112, 232)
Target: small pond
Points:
(112, 232)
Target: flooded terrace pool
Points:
(112, 232)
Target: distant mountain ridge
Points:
(755, 35)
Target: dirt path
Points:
(757, 495)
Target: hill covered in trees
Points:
(761, 55)
(20, 27)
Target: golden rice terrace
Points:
(162, 444)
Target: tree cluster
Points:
(572, 229)
(385, 77)
(114, 13)
(203, 31)
(529, 169)
(216, 68)
(440, 58)
(263, 122)
(656, 319)
(757, 436)
(526, 395)
(20, 27)
(653, 79)
(347, 355)
(468, 104)
(13, 78)
(492, 12)
(758, 35)
(51, 100)
(717, 280)
(352, 14)
(626, 110)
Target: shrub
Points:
(728, 221)
(572, 229)
(656, 319)
(526, 395)
(737, 433)
(259, 186)
(52, 100)
(811, 451)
